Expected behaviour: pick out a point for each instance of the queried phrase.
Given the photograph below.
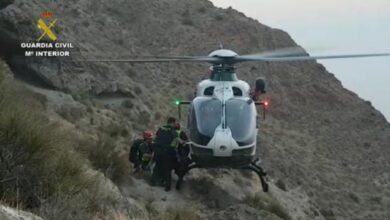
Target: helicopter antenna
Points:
(220, 45)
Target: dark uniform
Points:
(134, 156)
(165, 145)
(183, 161)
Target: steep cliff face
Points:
(327, 146)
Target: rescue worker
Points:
(259, 89)
(141, 152)
(165, 145)
(183, 161)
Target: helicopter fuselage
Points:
(222, 124)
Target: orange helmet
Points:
(148, 135)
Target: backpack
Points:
(165, 136)
(133, 156)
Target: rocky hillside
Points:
(326, 150)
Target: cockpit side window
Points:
(237, 91)
(209, 91)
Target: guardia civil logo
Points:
(46, 24)
(47, 43)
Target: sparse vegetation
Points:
(41, 169)
(328, 214)
(202, 10)
(71, 113)
(237, 179)
(180, 213)
(267, 203)
(127, 104)
(65, 206)
(36, 160)
(376, 199)
(201, 185)
(149, 206)
(157, 116)
(131, 72)
(104, 158)
(281, 185)
(187, 20)
(144, 118)
(218, 17)
(137, 90)
(354, 197)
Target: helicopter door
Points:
(205, 117)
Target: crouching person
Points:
(141, 152)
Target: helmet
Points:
(148, 134)
(177, 126)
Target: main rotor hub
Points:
(223, 72)
(223, 53)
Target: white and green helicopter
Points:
(222, 118)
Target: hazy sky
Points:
(335, 27)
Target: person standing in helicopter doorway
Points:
(182, 161)
(165, 145)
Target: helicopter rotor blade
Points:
(277, 55)
(158, 60)
(282, 52)
(304, 58)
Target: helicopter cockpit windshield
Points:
(204, 119)
(241, 119)
(206, 116)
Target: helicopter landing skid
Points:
(260, 172)
(252, 166)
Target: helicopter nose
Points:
(222, 148)
(222, 142)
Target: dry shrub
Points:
(328, 214)
(1, 75)
(187, 19)
(267, 203)
(180, 213)
(88, 204)
(202, 10)
(71, 113)
(105, 159)
(35, 159)
(150, 209)
(40, 169)
(281, 185)
(201, 186)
